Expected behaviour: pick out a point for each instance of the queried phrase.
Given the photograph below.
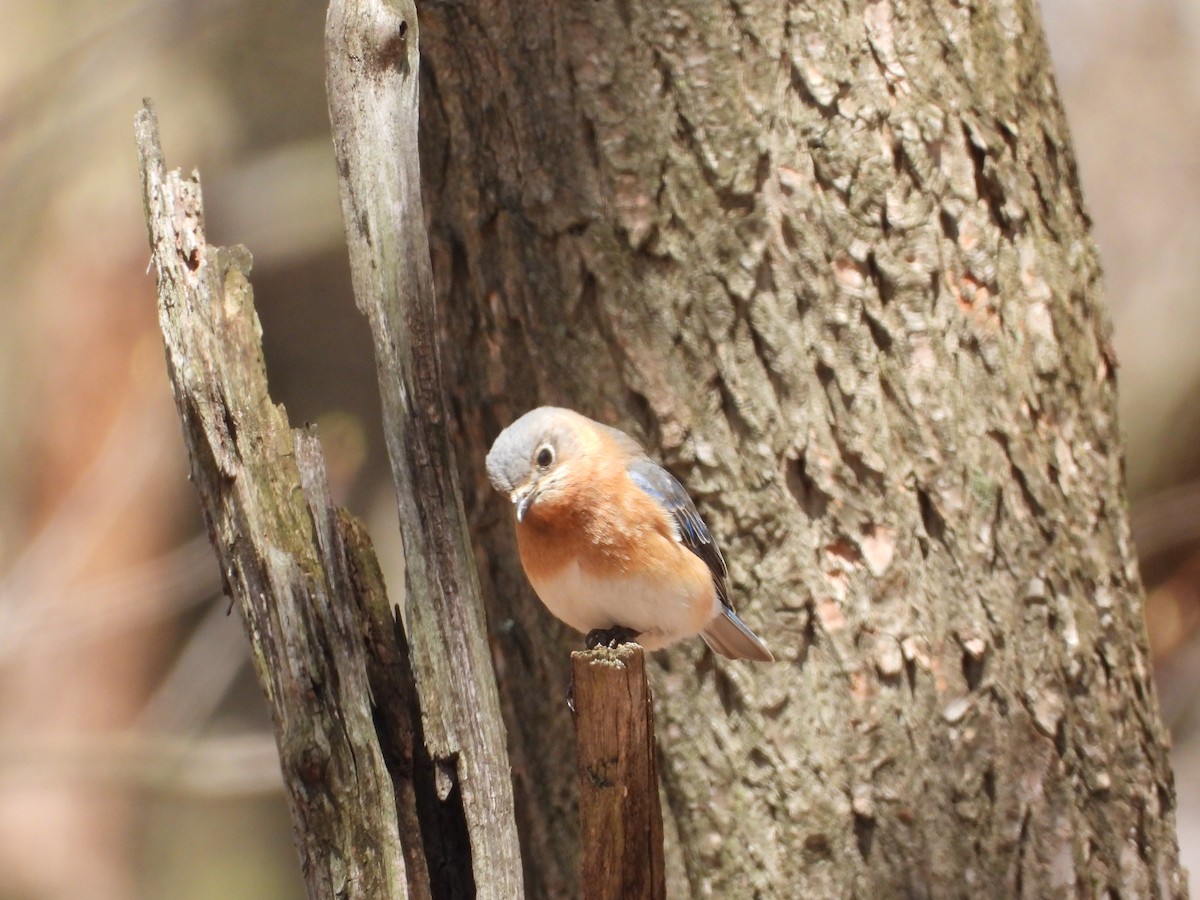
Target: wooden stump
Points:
(622, 836)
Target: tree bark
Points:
(832, 262)
(372, 66)
(303, 573)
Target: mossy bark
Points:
(831, 262)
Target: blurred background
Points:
(136, 758)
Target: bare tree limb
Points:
(287, 554)
(372, 58)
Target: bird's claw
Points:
(609, 637)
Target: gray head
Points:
(532, 454)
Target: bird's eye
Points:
(545, 456)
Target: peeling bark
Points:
(832, 261)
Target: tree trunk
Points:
(831, 261)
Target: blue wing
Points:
(668, 493)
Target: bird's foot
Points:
(609, 637)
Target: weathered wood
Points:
(619, 810)
(299, 569)
(425, 823)
(372, 65)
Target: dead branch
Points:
(372, 59)
(622, 833)
(301, 573)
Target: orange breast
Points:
(601, 519)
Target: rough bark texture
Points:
(621, 818)
(831, 260)
(303, 573)
(372, 66)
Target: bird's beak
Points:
(524, 499)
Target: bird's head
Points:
(533, 456)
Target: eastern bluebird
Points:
(610, 541)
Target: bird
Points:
(610, 541)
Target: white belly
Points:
(661, 613)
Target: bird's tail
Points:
(729, 636)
